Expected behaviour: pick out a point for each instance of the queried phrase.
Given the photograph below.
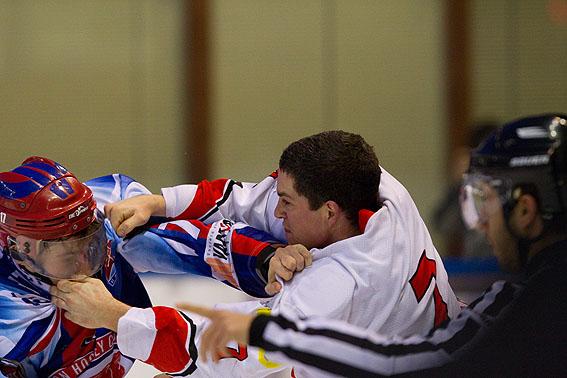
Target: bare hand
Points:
(132, 212)
(224, 327)
(88, 303)
(285, 262)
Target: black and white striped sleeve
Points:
(343, 349)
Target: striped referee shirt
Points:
(513, 328)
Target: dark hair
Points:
(337, 166)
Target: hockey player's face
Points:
(494, 227)
(301, 224)
(79, 255)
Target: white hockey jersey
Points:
(390, 279)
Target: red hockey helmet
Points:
(49, 221)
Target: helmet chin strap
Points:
(39, 276)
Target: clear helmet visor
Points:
(78, 255)
(480, 197)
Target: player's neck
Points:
(344, 230)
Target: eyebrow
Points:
(283, 194)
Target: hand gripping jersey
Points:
(36, 338)
(390, 279)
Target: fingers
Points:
(129, 224)
(59, 302)
(304, 252)
(214, 338)
(211, 340)
(65, 286)
(277, 268)
(203, 311)
(70, 316)
(288, 260)
(122, 218)
(130, 213)
(292, 261)
(80, 278)
(114, 214)
(108, 210)
(300, 255)
(213, 343)
(273, 288)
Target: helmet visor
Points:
(78, 255)
(481, 196)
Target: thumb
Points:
(108, 209)
(68, 316)
(273, 288)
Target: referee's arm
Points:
(328, 346)
(343, 349)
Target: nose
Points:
(278, 211)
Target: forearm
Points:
(341, 348)
(229, 252)
(110, 314)
(210, 201)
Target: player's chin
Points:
(290, 238)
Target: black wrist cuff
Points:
(263, 262)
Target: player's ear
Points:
(527, 218)
(332, 210)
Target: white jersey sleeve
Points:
(210, 201)
(168, 339)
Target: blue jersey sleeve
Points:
(225, 250)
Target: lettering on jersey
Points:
(421, 280)
(30, 299)
(87, 341)
(2, 217)
(220, 247)
(217, 252)
(81, 209)
(104, 344)
(108, 268)
(240, 353)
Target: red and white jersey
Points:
(390, 279)
(169, 339)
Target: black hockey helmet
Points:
(525, 155)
